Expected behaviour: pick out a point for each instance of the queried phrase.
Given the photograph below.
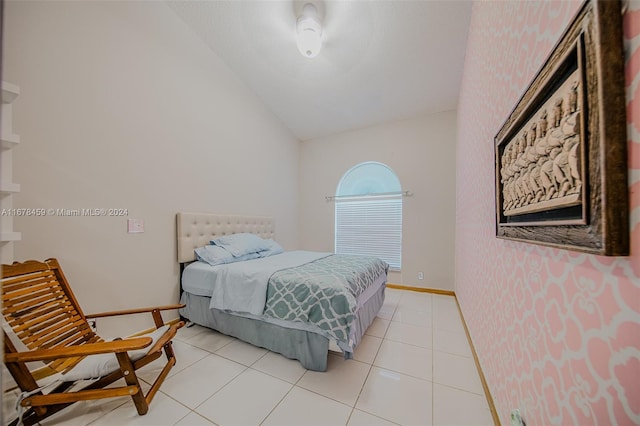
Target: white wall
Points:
(421, 151)
(123, 107)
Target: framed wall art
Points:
(561, 155)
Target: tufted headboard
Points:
(197, 229)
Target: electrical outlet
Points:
(516, 418)
(420, 275)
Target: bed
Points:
(270, 314)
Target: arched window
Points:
(369, 213)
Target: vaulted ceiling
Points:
(380, 61)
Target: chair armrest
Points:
(80, 350)
(135, 311)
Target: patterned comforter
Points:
(323, 293)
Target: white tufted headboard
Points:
(197, 229)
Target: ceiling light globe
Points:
(309, 43)
(309, 34)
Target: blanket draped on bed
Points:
(318, 290)
(241, 287)
(323, 293)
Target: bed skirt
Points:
(310, 348)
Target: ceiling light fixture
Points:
(309, 31)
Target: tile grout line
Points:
(293, 386)
(247, 367)
(371, 366)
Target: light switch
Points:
(135, 226)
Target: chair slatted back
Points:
(41, 310)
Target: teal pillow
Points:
(216, 255)
(241, 244)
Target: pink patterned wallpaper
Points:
(557, 332)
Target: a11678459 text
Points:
(61, 212)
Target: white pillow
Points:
(94, 366)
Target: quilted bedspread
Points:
(323, 293)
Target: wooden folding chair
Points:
(42, 321)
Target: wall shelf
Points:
(10, 236)
(10, 141)
(9, 92)
(7, 188)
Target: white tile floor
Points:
(413, 367)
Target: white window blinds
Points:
(370, 226)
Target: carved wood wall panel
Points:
(561, 161)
